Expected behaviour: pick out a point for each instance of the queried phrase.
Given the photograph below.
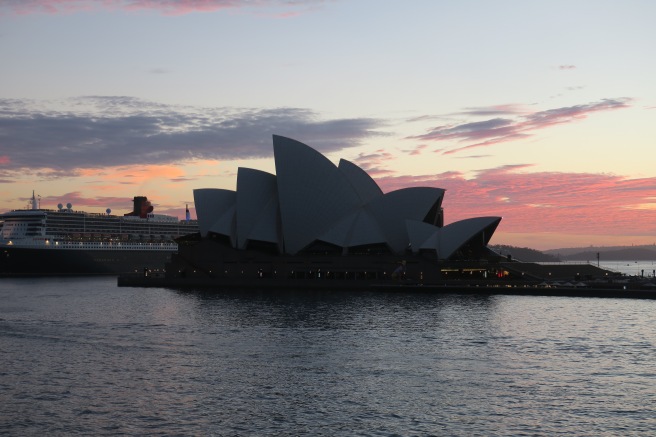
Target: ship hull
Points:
(68, 262)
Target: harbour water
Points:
(80, 356)
(631, 268)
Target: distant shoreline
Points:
(626, 267)
(645, 253)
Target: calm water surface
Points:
(631, 268)
(82, 356)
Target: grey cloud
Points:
(487, 111)
(474, 156)
(499, 130)
(570, 113)
(475, 130)
(494, 123)
(123, 131)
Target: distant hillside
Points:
(617, 253)
(523, 253)
(637, 254)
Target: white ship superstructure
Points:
(66, 231)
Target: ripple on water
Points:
(81, 356)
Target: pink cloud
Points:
(501, 130)
(4, 159)
(167, 7)
(373, 163)
(417, 150)
(491, 142)
(546, 202)
(47, 6)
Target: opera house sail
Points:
(317, 222)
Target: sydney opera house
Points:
(317, 221)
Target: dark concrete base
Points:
(456, 287)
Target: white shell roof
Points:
(312, 192)
(257, 207)
(450, 238)
(394, 208)
(363, 184)
(215, 210)
(311, 199)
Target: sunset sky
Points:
(542, 112)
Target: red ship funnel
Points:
(142, 207)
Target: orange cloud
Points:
(132, 175)
(138, 174)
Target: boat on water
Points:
(46, 242)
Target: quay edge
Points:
(617, 291)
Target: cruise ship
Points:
(37, 242)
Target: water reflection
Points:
(338, 310)
(82, 356)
